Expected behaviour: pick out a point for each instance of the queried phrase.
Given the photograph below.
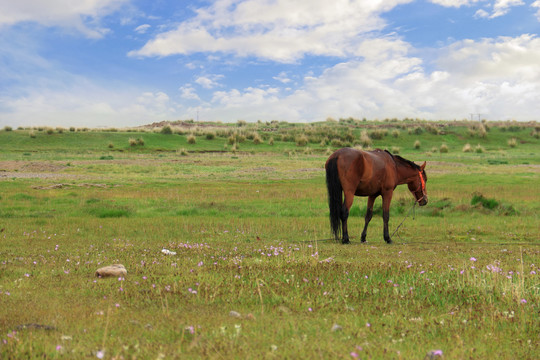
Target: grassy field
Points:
(255, 275)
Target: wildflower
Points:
(117, 305)
(310, 309)
(100, 354)
(354, 355)
(368, 325)
(472, 259)
(523, 301)
(58, 347)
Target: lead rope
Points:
(402, 221)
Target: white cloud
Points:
(455, 3)
(280, 30)
(142, 29)
(282, 77)
(188, 92)
(496, 77)
(82, 16)
(209, 81)
(502, 7)
(536, 5)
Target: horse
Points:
(368, 173)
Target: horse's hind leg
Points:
(369, 215)
(347, 203)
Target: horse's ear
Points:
(423, 166)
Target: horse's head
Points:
(418, 186)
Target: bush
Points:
(8, 128)
(479, 149)
(395, 133)
(210, 135)
(443, 149)
(485, 202)
(512, 142)
(365, 140)
(257, 139)
(132, 142)
(395, 149)
(377, 134)
(32, 134)
(191, 139)
(166, 130)
(417, 144)
(50, 131)
(140, 141)
(111, 145)
(302, 140)
(271, 141)
(467, 148)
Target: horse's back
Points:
(364, 172)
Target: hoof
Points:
(389, 241)
(345, 241)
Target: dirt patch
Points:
(62, 186)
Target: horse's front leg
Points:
(369, 215)
(386, 199)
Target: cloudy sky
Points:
(131, 62)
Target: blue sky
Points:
(128, 62)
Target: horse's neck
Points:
(404, 173)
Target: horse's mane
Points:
(399, 158)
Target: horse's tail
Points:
(335, 198)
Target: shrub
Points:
(443, 149)
(535, 134)
(183, 152)
(8, 128)
(336, 143)
(395, 149)
(378, 134)
(302, 140)
(365, 140)
(395, 133)
(417, 144)
(50, 131)
(111, 145)
(241, 123)
(479, 149)
(166, 130)
(485, 202)
(512, 142)
(140, 141)
(257, 139)
(191, 139)
(72, 129)
(467, 148)
(60, 130)
(32, 134)
(210, 135)
(132, 142)
(271, 141)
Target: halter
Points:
(421, 186)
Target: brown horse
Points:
(369, 173)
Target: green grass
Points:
(254, 275)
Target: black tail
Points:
(335, 198)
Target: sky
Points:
(120, 63)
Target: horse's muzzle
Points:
(423, 201)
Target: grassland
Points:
(254, 274)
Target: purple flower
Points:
(523, 301)
(472, 259)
